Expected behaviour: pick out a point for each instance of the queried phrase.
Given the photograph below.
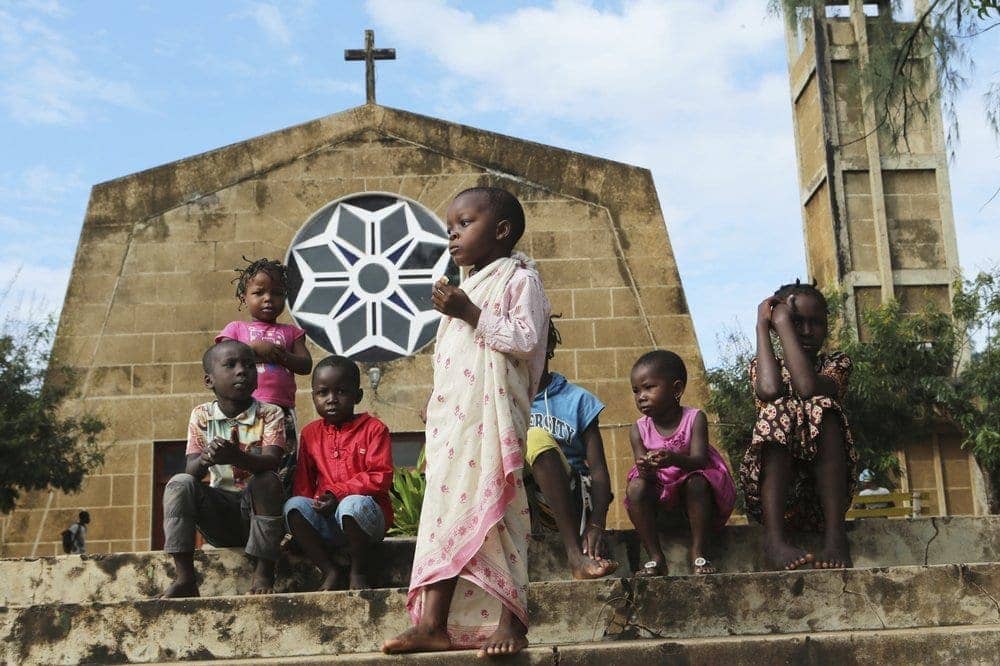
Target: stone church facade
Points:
(151, 286)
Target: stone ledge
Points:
(108, 578)
(716, 606)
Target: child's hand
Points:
(662, 458)
(765, 310)
(646, 469)
(268, 352)
(224, 451)
(451, 301)
(325, 504)
(781, 313)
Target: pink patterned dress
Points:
(670, 480)
(474, 520)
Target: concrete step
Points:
(110, 578)
(969, 645)
(330, 623)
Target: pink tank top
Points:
(679, 441)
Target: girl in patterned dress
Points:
(675, 466)
(798, 472)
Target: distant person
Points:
(798, 472)
(675, 466)
(239, 442)
(341, 495)
(868, 488)
(74, 537)
(567, 480)
(280, 349)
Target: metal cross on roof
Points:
(369, 54)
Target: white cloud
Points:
(269, 19)
(42, 80)
(695, 91)
(29, 292)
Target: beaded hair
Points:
(273, 267)
(555, 339)
(801, 288)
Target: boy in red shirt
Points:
(343, 476)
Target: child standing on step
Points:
(675, 466)
(798, 471)
(280, 349)
(469, 584)
(343, 476)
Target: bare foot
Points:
(418, 639)
(359, 581)
(333, 580)
(263, 578)
(835, 555)
(180, 589)
(585, 568)
(509, 638)
(780, 555)
(652, 568)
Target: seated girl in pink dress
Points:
(675, 466)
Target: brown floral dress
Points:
(794, 423)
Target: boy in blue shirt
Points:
(569, 488)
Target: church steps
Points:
(684, 607)
(967, 645)
(123, 576)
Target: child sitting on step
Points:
(675, 466)
(240, 442)
(567, 481)
(280, 349)
(798, 471)
(343, 477)
(469, 585)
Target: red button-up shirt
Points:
(354, 458)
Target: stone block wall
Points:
(151, 286)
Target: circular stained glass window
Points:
(360, 275)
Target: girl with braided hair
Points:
(280, 349)
(798, 471)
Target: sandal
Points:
(703, 566)
(651, 568)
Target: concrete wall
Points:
(151, 285)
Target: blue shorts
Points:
(362, 508)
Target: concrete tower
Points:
(876, 212)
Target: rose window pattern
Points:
(360, 275)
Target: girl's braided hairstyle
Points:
(555, 339)
(805, 289)
(273, 267)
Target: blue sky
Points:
(695, 91)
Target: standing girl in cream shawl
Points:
(469, 585)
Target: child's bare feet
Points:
(180, 589)
(585, 568)
(780, 555)
(654, 567)
(263, 578)
(332, 580)
(418, 639)
(836, 554)
(509, 638)
(359, 581)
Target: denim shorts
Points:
(362, 508)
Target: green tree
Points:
(40, 448)
(901, 84)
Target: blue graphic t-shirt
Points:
(565, 410)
